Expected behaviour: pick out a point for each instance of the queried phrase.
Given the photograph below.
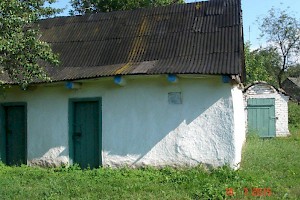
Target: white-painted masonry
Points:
(140, 126)
(239, 123)
(264, 90)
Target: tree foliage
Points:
(262, 64)
(81, 7)
(293, 71)
(282, 31)
(21, 50)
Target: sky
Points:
(252, 11)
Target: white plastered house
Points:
(157, 86)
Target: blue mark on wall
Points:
(172, 78)
(225, 79)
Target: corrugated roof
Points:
(296, 81)
(196, 38)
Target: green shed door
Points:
(86, 133)
(261, 116)
(15, 130)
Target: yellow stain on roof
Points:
(124, 68)
(138, 43)
(138, 46)
(198, 6)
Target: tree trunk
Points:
(279, 77)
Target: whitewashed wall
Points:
(262, 90)
(239, 123)
(139, 126)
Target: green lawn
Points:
(274, 163)
(270, 169)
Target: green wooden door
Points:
(86, 133)
(261, 116)
(15, 132)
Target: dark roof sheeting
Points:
(296, 81)
(196, 38)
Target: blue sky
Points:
(252, 9)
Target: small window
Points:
(174, 98)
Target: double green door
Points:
(261, 116)
(86, 133)
(13, 151)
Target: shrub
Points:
(294, 114)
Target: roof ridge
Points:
(150, 11)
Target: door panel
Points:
(261, 116)
(15, 128)
(86, 134)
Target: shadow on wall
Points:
(153, 133)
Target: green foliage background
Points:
(262, 64)
(279, 59)
(80, 7)
(22, 53)
(294, 115)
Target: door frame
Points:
(2, 129)
(72, 102)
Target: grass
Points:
(268, 165)
(148, 183)
(274, 163)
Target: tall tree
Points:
(21, 50)
(262, 64)
(282, 31)
(81, 7)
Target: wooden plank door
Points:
(261, 116)
(15, 130)
(86, 133)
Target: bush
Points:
(294, 114)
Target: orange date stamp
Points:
(255, 192)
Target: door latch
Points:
(77, 135)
